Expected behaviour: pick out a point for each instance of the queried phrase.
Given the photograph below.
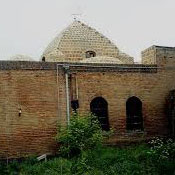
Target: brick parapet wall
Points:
(96, 67)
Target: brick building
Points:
(83, 70)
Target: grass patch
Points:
(130, 160)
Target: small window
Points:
(43, 59)
(75, 105)
(90, 54)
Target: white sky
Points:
(27, 26)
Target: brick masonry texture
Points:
(38, 89)
(76, 39)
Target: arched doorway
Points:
(134, 120)
(99, 107)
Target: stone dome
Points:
(20, 57)
(72, 44)
(103, 60)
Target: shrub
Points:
(162, 149)
(83, 133)
(3, 167)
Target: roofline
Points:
(78, 67)
(158, 47)
(166, 47)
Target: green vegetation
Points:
(101, 161)
(82, 153)
(83, 133)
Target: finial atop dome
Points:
(76, 15)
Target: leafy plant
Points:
(83, 133)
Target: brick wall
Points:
(35, 88)
(35, 92)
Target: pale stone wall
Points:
(149, 55)
(158, 55)
(165, 55)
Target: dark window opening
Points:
(134, 120)
(171, 113)
(75, 105)
(99, 107)
(43, 59)
(90, 54)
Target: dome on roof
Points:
(20, 57)
(102, 59)
(72, 44)
(55, 56)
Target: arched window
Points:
(171, 112)
(90, 54)
(134, 120)
(99, 107)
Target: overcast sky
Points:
(27, 26)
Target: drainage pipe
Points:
(76, 85)
(67, 94)
(58, 96)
